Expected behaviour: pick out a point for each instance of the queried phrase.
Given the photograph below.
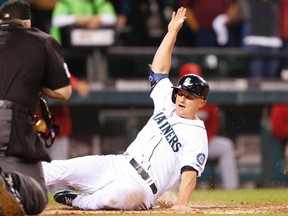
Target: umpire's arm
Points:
(61, 93)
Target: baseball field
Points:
(238, 202)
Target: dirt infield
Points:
(204, 202)
(198, 209)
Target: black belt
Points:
(5, 104)
(143, 174)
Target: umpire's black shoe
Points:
(65, 197)
(10, 201)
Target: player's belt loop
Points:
(145, 176)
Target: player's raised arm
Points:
(162, 58)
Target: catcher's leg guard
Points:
(10, 203)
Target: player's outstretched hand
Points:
(179, 207)
(177, 19)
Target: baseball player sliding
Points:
(170, 151)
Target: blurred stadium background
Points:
(117, 107)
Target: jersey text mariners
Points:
(168, 131)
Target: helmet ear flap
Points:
(174, 94)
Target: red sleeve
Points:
(74, 81)
(279, 121)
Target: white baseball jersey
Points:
(168, 142)
(165, 145)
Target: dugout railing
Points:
(131, 62)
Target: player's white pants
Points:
(60, 148)
(107, 182)
(222, 148)
(59, 151)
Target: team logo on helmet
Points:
(187, 82)
(201, 158)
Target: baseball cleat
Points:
(10, 201)
(65, 197)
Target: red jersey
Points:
(279, 120)
(210, 115)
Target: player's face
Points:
(187, 105)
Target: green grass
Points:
(255, 196)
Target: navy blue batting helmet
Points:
(192, 84)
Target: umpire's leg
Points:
(31, 183)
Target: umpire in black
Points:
(31, 62)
